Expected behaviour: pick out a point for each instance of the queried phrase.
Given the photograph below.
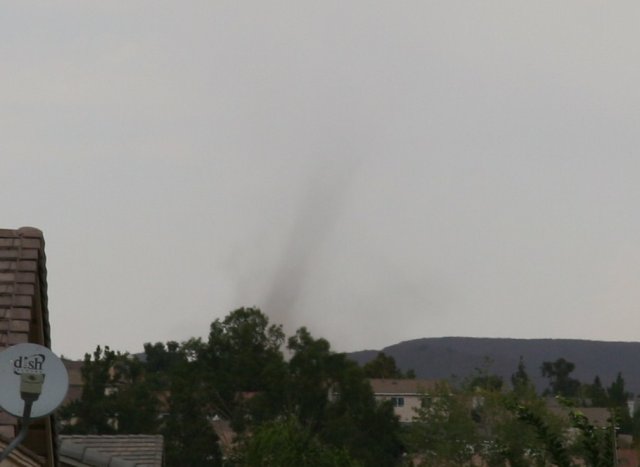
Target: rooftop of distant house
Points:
(382, 386)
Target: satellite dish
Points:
(26, 363)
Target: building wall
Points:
(404, 406)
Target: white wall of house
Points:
(405, 394)
(404, 405)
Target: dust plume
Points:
(322, 204)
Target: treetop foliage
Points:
(384, 366)
(318, 409)
(319, 403)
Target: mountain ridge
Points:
(459, 357)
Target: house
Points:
(24, 317)
(599, 417)
(405, 394)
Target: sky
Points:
(376, 171)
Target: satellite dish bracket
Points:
(26, 420)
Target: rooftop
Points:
(401, 386)
(24, 317)
(113, 450)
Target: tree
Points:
(319, 401)
(243, 352)
(483, 379)
(635, 430)
(285, 443)
(549, 435)
(332, 398)
(561, 384)
(162, 359)
(617, 394)
(618, 397)
(443, 432)
(313, 372)
(504, 439)
(179, 377)
(595, 445)
(243, 368)
(121, 394)
(115, 397)
(135, 403)
(520, 380)
(92, 412)
(597, 393)
(384, 366)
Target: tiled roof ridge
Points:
(122, 435)
(26, 231)
(401, 385)
(32, 232)
(22, 267)
(136, 449)
(92, 456)
(412, 381)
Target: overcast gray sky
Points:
(376, 171)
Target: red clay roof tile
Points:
(16, 253)
(14, 325)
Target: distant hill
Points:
(441, 358)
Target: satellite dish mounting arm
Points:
(30, 390)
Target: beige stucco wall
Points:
(408, 410)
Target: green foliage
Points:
(92, 412)
(596, 445)
(313, 370)
(483, 379)
(614, 397)
(243, 352)
(384, 366)
(485, 382)
(521, 382)
(239, 375)
(617, 393)
(135, 404)
(177, 372)
(617, 400)
(285, 443)
(116, 397)
(318, 409)
(552, 439)
(443, 432)
(597, 393)
(496, 428)
(505, 439)
(635, 423)
(330, 394)
(561, 384)
(243, 368)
